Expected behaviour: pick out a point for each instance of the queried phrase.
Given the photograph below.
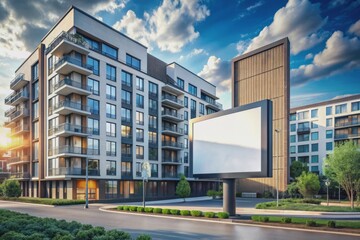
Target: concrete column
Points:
(229, 195)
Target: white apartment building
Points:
(315, 129)
(90, 93)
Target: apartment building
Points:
(315, 129)
(88, 93)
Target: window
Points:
(139, 101)
(110, 189)
(314, 113)
(329, 122)
(328, 111)
(109, 51)
(193, 108)
(35, 130)
(329, 134)
(126, 131)
(125, 97)
(152, 137)
(110, 72)
(110, 129)
(152, 121)
(140, 135)
(93, 124)
(180, 83)
(126, 169)
(341, 108)
(303, 137)
(303, 148)
(303, 115)
(110, 167)
(35, 71)
(110, 110)
(126, 78)
(202, 108)
(126, 150)
(139, 152)
(314, 168)
(314, 159)
(186, 157)
(153, 105)
(139, 118)
(329, 146)
(110, 148)
(94, 85)
(35, 110)
(95, 64)
(292, 159)
(304, 159)
(139, 84)
(314, 147)
(292, 127)
(153, 88)
(94, 45)
(186, 143)
(138, 169)
(94, 106)
(315, 136)
(110, 92)
(186, 115)
(292, 138)
(192, 90)
(133, 61)
(186, 102)
(93, 146)
(292, 149)
(293, 117)
(355, 106)
(154, 170)
(126, 115)
(35, 90)
(35, 152)
(186, 129)
(153, 154)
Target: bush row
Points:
(194, 213)
(309, 223)
(46, 201)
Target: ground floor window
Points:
(110, 189)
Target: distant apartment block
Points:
(88, 92)
(315, 129)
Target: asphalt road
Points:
(166, 228)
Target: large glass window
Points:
(94, 85)
(35, 90)
(193, 108)
(153, 154)
(202, 108)
(303, 115)
(139, 118)
(314, 124)
(186, 115)
(292, 138)
(94, 106)
(314, 147)
(152, 121)
(292, 127)
(303, 148)
(314, 113)
(95, 64)
(93, 125)
(126, 149)
(93, 146)
(139, 83)
(153, 88)
(110, 167)
(110, 129)
(110, 92)
(35, 71)
(110, 189)
(329, 122)
(315, 136)
(125, 169)
(180, 83)
(109, 51)
(110, 148)
(342, 108)
(329, 146)
(110, 72)
(355, 106)
(35, 110)
(139, 101)
(126, 78)
(153, 105)
(126, 131)
(126, 115)
(152, 137)
(35, 152)
(303, 137)
(293, 117)
(328, 111)
(292, 149)
(94, 45)
(139, 135)
(154, 170)
(192, 89)
(35, 130)
(139, 152)
(329, 134)
(125, 97)
(186, 102)
(314, 159)
(110, 110)
(133, 61)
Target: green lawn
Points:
(46, 201)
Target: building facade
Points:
(91, 94)
(315, 129)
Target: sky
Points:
(204, 35)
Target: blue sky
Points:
(204, 35)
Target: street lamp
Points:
(146, 173)
(327, 184)
(87, 184)
(277, 166)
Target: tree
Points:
(308, 184)
(344, 166)
(11, 188)
(297, 168)
(292, 189)
(183, 189)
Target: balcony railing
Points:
(172, 144)
(346, 136)
(126, 120)
(67, 127)
(172, 98)
(77, 39)
(172, 114)
(126, 157)
(69, 82)
(21, 111)
(173, 129)
(15, 96)
(17, 159)
(349, 123)
(170, 175)
(20, 175)
(70, 104)
(20, 128)
(171, 160)
(16, 80)
(303, 130)
(10, 111)
(71, 60)
(72, 171)
(67, 149)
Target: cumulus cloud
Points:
(170, 26)
(217, 72)
(341, 53)
(355, 28)
(194, 52)
(309, 56)
(300, 20)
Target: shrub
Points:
(115, 234)
(268, 194)
(184, 212)
(223, 215)
(331, 224)
(133, 208)
(126, 208)
(11, 188)
(264, 219)
(183, 188)
(140, 209)
(175, 211)
(212, 193)
(157, 210)
(166, 211)
(286, 220)
(120, 208)
(149, 209)
(310, 200)
(143, 237)
(196, 213)
(209, 214)
(255, 218)
(308, 184)
(310, 223)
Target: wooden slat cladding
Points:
(264, 74)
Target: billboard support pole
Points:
(229, 196)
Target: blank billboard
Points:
(234, 143)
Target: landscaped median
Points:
(173, 212)
(46, 201)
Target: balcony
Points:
(173, 89)
(172, 116)
(67, 129)
(172, 161)
(66, 107)
(21, 113)
(65, 43)
(126, 157)
(346, 136)
(171, 101)
(18, 82)
(126, 175)
(67, 150)
(22, 128)
(170, 175)
(18, 160)
(67, 65)
(172, 131)
(68, 86)
(19, 143)
(303, 130)
(126, 85)
(15, 98)
(20, 175)
(126, 103)
(214, 105)
(352, 123)
(62, 171)
(126, 121)
(172, 145)
(10, 111)
(127, 139)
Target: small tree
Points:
(297, 168)
(344, 166)
(11, 188)
(308, 184)
(292, 189)
(183, 189)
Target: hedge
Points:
(310, 223)
(166, 211)
(286, 220)
(184, 212)
(175, 211)
(209, 214)
(157, 210)
(46, 201)
(223, 215)
(196, 213)
(140, 209)
(331, 224)
(149, 209)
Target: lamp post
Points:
(327, 184)
(277, 166)
(145, 172)
(87, 184)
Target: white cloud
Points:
(342, 96)
(304, 99)
(194, 52)
(341, 53)
(256, 5)
(170, 26)
(355, 28)
(241, 46)
(300, 20)
(309, 56)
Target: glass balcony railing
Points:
(70, 104)
(172, 144)
(68, 59)
(69, 82)
(67, 149)
(72, 171)
(77, 39)
(173, 129)
(67, 127)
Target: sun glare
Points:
(5, 139)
